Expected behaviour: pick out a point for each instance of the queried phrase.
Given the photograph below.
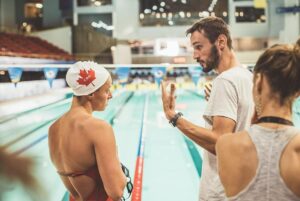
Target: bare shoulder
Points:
(290, 165)
(229, 139)
(296, 143)
(97, 128)
(236, 172)
(294, 148)
(54, 127)
(237, 143)
(53, 131)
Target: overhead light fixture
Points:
(97, 3)
(205, 14)
(147, 11)
(212, 5)
(39, 5)
(181, 14)
(101, 24)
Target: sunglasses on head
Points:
(129, 185)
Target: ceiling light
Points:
(147, 11)
(97, 3)
(182, 14)
(39, 5)
(101, 24)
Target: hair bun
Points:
(296, 51)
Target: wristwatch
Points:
(174, 119)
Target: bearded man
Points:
(229, 108)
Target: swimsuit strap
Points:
(91, 172)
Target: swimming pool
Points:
(171, 162)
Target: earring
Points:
(258, 107)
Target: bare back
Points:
(77, 142)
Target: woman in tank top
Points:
(263, 163)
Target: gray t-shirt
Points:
(231, 97)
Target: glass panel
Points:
(93, 2)
(179, 12)
(100, 22)
(250, 14)
(33, 10)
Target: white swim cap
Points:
(85, 77)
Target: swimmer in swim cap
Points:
(82, 147)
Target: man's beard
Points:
(213, 60)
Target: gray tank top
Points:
(267, 184)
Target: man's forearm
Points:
(203, 137)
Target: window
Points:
(33, 10)
(93, 2)
(249, 14)
(180, 12)
(100, 22)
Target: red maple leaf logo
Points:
(86, 77)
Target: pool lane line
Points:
(46, 135)
(196, 93)
(31, 144)
(196, 157)
(16, 115)
(28, 133)
(139, 166)
(33, 130)
(117, 114)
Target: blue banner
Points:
(15, 74)
(195, 74)
(122, 73)
(293, 9)
(159, 73)
(50, 74)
